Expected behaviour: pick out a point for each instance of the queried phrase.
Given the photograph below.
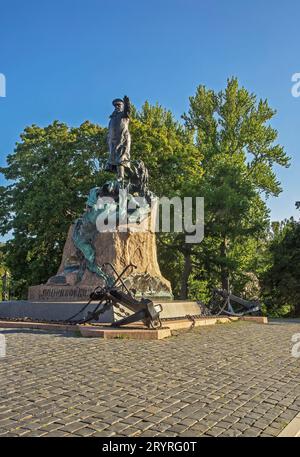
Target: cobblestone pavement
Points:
(234, 379)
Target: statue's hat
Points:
(117, 100)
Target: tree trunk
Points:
(185, 275)
(4, 286)
(224, 269)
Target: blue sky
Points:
(68, 59)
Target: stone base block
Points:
(63, 310)
(124, 333)
(151, 287)
(49, 311)
(179, 310)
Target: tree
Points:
(175, 169)
(233, 135)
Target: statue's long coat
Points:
(119, 139)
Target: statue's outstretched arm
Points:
(127, 107)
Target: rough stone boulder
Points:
(74, 282)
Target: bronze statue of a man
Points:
(119, 137)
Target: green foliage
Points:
(237, 144)
(167, 149)
(281, 281)
(52, 169)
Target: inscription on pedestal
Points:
(66, 293)
(61, 293)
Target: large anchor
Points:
(118, 294)
(223, 302)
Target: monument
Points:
(109, 266)
(91, 252)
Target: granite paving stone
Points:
(234, 379)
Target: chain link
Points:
(122, 313)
